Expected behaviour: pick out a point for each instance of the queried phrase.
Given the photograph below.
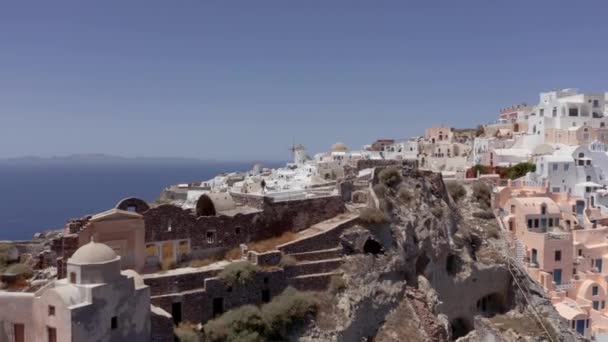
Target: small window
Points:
(554, 166)
(580, 252)
(603, 304)
(594, 290)
(596, 305)
(530, 224)
(512, 209)
(210, 236)
(51, 310)
(114, 323)
(543, 209)
(558, 255)
(72, 277)
(550, 222)
(536, 223)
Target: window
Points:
(603, 304)
(536, 223)
(541, 112)
(530, 225)
(151, 250)
(572, 111)
(554, 112)
(596, 305)
(512, 209)
(114, 323)
(566, 167)
(596, 103)
(51, 310)
(72, 277)
(558, 255)
(543, 209)
(556, 221)
(210, 236)
(550, 222)
(580, 252)
(554, 165)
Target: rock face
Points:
(443, 275)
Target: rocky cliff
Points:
(426, 267)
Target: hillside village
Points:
(146, 271)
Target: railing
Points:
(558, 236)
(565, 286)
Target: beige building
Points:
(96, 302)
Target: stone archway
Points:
(133, 204)
(205, 206)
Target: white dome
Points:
(93, 253)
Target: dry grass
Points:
(233, 254)
(526, 325)
(202, 262)
(272, 243)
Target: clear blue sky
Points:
(241, 79)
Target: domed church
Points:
(96, 302)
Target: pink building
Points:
(439, 134)
(552, 238)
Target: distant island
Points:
(100, 158)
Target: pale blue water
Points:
(44, 196)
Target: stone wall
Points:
(198, 306)
(370, 163)
(323, 240)
(168, 222)
(161, 324)
(179, 282)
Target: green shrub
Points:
(21, 270)
(519, 170)
(288, 260)
(372, 216)
(482, 194)
(283, 311)
(4, 249)
(270, 323)
(238, 272)
(437, 212)
(336, 283)
(390, 176)
(186, 333)
(405, 195)
(381, 190)
(241, 324)
(484, 215)
(456, 190)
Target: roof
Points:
(531, 205)
(560, 158)
(115, 214)
(512, 152)
(93, 253)
(589, 184)
(567, 311)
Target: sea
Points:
(41, 196)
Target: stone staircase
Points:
(520, 251)
(313, 270)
